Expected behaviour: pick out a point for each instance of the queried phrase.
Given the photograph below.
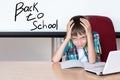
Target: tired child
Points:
(81, 43)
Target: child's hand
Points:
(69, 29)
(86, 25)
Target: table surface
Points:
(39, 70)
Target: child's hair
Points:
(77, 28)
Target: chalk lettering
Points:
(37, 19)
(39, 16)
(34, 7)
(43, 25)
(36, 27)
(18, 8)
(29, 17)
(21, 8)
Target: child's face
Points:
(80, 40)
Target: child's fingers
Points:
(70, 24)
(85, 22)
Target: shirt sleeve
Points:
(70, 52)
(65, 52)
(68, 46)
(97, 45)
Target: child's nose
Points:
(79, 42)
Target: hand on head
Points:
(86, 24)
(69, 29)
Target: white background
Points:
(62, 10)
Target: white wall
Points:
(25, 49)
(61, 10)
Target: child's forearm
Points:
(59, 52)
(91, 49)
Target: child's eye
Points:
(74, 39)
(83, 37)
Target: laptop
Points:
(112, 65)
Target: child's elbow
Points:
(54, 60)
(92, 62)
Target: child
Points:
(80, 42)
